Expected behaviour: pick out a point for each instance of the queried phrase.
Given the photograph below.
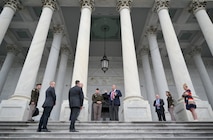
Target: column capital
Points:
(13, 49)
(161, 4)
(144, 51)
(49, 3)
(121, 4)
(87, 4)
(152, 30)
(197, 5)
(14, 4)
(195, 51)
(65, 49)
(58, 29)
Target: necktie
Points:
(112, 95)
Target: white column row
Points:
(177, 62)
(19, 102)
(60, 82)
(12, 52)
(198, 8)
(150, 89)
(10, 7)
(196, 54)
(49, 74)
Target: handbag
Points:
(36, 112)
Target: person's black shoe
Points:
(73, 130)
(45, 130)
(31, 120)
(38, 130)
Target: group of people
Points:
(76, 99)
(113, 100)
(188, 100)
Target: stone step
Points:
(109, 130)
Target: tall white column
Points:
(198, 8)
(11, 53)
(150, 89)
(19, 102)
(178, 65)
(160, 76)
(49, 74)
(6, 16)
(80, 70)
(131, 77)
(60, 82)
(203, 74)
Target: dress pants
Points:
(161, 115)
(113, 112)
(44, 118)
(97, 111)
(31, 111)
(73, 116)
(171, 111)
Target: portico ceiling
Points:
(24, 23)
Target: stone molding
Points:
(197, 5)
(58, 29)
(65, 50)
(13, 49)
(49, 3)
(152, 30)
(145, 51)
(121, 4)
(161, 4)
(14, 4)
(87, 4)
(195, 51)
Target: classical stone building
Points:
(152, 45)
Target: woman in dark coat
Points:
(170, 102)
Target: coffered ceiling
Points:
(105, 15)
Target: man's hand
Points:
(81, 107)
(99, 102)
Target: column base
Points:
(203, 110)
(65, 111)
(136, 109)
(14, 110)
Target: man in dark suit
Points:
(48, 106)
(76, 99)
(114, 103)
(158, 104)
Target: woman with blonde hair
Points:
(189, 101)
(170, 102)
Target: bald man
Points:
(48, 106)
(158, 104)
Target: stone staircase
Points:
(109, 131)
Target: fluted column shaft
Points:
(178, 65)
(6, 16)
(130, 68)
(198, 8)
(49, 74)
(30, 69)
(60, 82)
(203, 75)
(150, 89)
(12, 52)
(159, 72)
(80, 70)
